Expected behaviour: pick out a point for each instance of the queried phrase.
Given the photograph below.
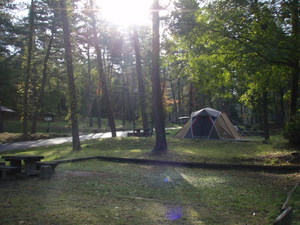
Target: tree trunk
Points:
(98, 109)
(69, 64)
(1, 121)
(282, 111)
(140, 79)
(294, 90)
(191, 98)
(58, 109)
(179, 98)
(163, 92)
(123, 98)
(128, 105)
(175, 109)
(40, 100)
(91, 119)
(89, 95)
(102, 75)
(265, 115)
(161, 142)
(28, 71)
(295, 5)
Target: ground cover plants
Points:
(98, 192)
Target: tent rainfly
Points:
(208, 123)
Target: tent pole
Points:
(213, 125)
(192, 121)
(191, 127)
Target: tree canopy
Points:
(241, 57)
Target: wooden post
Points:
(3, 174)
(46, 172)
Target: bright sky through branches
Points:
(125, 13)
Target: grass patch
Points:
(252, 152)
(97, 192)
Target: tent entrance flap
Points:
(201, 127)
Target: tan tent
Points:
(208, 123)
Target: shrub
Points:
(291, 131)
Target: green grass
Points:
(98, 192)
(252, 152)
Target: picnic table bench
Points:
(141, 133)
(51, 164)
(46, 169)
(6, 169)
(30, 163)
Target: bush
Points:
(291, 131)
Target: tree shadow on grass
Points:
(192, 196)
(97, 192)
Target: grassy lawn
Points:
(98, 192)
(252, 152)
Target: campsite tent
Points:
(208, 123)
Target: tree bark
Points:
(175, 108)
(161, 142)
(40, 100)
(98, 109)
(179, 97)
(123, 97)
(265, 115)
(28, 71)
(282, 107)
(295, 5)
(1, 121)
(294, 90)
(89, 96)
(128, 105)
(69, 64)
(140, 79)
(102, 75)
(191, 98)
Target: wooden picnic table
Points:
(140, 133)
(30, 163)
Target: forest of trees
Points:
(238, 56)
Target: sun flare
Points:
(125, 13)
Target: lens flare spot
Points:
(174, 213)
